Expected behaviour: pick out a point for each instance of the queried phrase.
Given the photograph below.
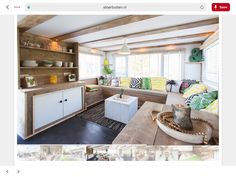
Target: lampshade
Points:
(124, 50)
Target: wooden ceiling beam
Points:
(157, 31)
(163, 39)
(159, 46)
(107, 25)
(31, 21)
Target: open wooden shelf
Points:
(188, 62)
(41, 67)
(40, 72)
(47, 50)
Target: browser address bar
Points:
(115, 7)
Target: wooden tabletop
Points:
(141, 129)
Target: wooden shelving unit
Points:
(42, 74)
(41, 67)
(47, 50)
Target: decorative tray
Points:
(201, 133)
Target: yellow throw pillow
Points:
(125, 82)
(158, 83)
(194, 89)
(213, 107)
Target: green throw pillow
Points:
(146, 83)
(202, 101)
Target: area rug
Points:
(96, 114)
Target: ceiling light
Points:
(124, 49)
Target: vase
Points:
(53, 79)
(182, 116)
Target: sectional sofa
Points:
(141, 129)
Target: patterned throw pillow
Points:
(136, 83)
(193, 89)
(202, 101)
(115, 82)
(125, 82)
(190, 98)
(173, 87)
(158, 83)
(146, 83)
(185, 84)
(213, 107)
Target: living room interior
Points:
(118, 79)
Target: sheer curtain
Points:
(89, 66)
(144, 65)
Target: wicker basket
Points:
(201, 133)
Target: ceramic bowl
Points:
(29, 63)
(58, 63)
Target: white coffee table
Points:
(121, 110)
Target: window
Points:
(89, 65)
(212, 63)
(144, 65)
(173, 65)
(167, 64)
(120, 66)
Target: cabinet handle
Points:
(65, 99)
(60, 101)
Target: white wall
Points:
(191, 71)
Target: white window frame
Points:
(100, 64)
(212, 83)
(182, 52)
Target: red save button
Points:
(220, 6)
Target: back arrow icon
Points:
(7, 6)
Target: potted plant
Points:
(107, 70)
(171, 83)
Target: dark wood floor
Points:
(73, 131)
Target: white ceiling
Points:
(149, 44)
(190, 31)
(149, 24)
(62, 24)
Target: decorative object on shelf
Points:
(30, 81)
(70, 50)
(64, 49)
(71, 64)
(37, 45)
(201, 133)
(47, 63)
(171, 83)
(53, 79)
(182, 116)
(121, 92)
(24, 43)
(72, 77)
(196, 55)
(65, 64)
(29, 63)
(58, 63)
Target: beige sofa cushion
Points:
(142, 91)
(175, 98)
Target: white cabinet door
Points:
(47, 108)
(72, 100)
